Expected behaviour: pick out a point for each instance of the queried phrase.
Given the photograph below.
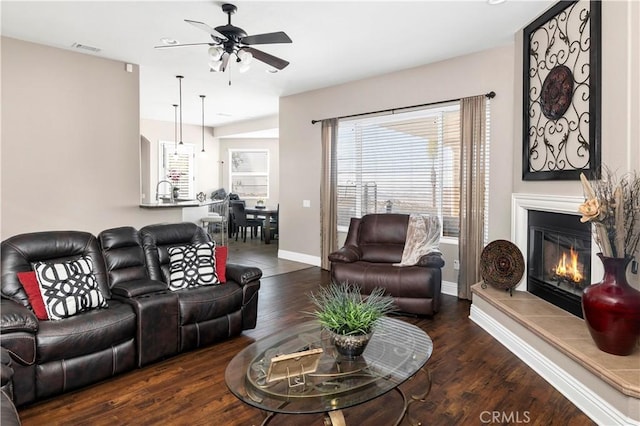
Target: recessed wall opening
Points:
(558, 258)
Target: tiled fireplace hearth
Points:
(555, 343)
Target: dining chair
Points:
(233, 229)
(242, 222)
(272, 226)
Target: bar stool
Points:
(218, 220)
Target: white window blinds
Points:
(406, 162)
(176, 166)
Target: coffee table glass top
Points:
(397, 351)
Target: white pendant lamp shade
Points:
(215, 58)
(215, 53)
(245, 58)
(215, 65)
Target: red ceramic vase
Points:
(612, 309)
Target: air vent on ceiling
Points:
(85, 47)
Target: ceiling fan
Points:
(229, 40)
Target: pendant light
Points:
(175, 129)
(202, 97)
(179, 77)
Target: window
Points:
(407, 162)
(249, 172)
(176, 166)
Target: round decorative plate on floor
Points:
(501, 264)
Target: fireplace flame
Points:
(569, 269)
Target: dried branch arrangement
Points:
(613, 207)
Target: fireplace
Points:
(557, 345)
(558, 258)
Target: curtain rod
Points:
(489, 95)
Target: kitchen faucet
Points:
(170, 190)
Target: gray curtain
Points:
(328, 192)
(472, 191)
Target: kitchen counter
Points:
(177, 204)
(181, 210)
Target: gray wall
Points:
(70, 141)
(71, 133)
(497, 69)
(300, 153)
(620, 118)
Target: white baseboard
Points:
(583, 397)
(449, 288)
(299, 257)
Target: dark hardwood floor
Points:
(475, 379)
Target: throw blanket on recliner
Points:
(423, 237)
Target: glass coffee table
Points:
(395, 353)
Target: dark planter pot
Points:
(612, 309)
(350, 346)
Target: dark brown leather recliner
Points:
(373, 244)
(144, 321)
(52, 357)
(210, 313)
(8, 413)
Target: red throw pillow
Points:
(220, 254)
(30, 284)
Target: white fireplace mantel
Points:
(520, 206)
(566, 370)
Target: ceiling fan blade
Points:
(206, 28)
(267, 58)
(183, 45)
(268, 38)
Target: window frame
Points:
(436, 111)
(265, 173)
(165, 149)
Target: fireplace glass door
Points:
(558, 259)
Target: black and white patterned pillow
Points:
(68, 288)
(192, 265)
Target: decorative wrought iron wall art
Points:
(561, 93)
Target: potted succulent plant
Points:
(349, 316)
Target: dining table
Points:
(263, 213)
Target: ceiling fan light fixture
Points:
(215, 52)
(244, 56)
(215, 65)
(229, 40)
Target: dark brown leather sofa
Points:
(144, 321)
(8, 413)
(373, 244)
